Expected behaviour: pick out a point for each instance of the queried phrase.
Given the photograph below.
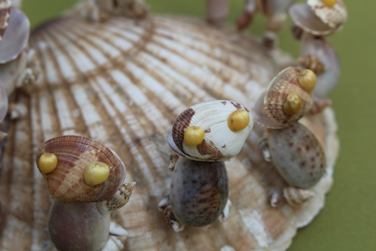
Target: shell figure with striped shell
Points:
(109, 82)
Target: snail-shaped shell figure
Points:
(85, 179)
(204, 135)
(287, 99)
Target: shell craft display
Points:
(122, 82)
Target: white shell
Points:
(220, 143)
(124, 83)
(334, 17)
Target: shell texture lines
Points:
(123, 83)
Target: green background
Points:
(348, 221)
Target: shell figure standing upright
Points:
(123, 82)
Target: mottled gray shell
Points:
(298, 155)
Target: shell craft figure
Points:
(200, 114)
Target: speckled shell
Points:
(123, 83)
(333, 17)
(15, 37)
(198, 191)
(285, 83)
(325, 52)
(304, 17)
(298, 155)
(74, 154)
(220, 143)
(5, 6)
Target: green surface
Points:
(348, 221)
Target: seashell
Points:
(262, 117)
(326, 54)
(272, 7)
(334, 16)
(124, 83)
(304, 17)
(286, 83)
(297, 155)
(78, 226)
(3, 102)
(296, 196)
(198, 192)
(218, 141)
(15, 37)
(5, 6)
(74, 154)
(313, 63)
(319, 104)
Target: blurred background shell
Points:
(123, 83)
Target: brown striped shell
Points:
(285, 83)
(124, 83)
(5, 6)
(74, 154)
(220, 143)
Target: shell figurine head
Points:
(211, 131)
(79, 169)
(287, 98)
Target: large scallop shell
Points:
(74, 154)
(123, 83)
(285, 83)
(220, 143)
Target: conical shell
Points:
(15, 37)
(124, 83)
(285, 83)
(5, 6)
(220, 143)
(74, 154)
(334, 17)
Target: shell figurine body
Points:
(123, 83)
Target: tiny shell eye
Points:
(307, 80)
(96, 173)
(292, 105)
(329, 3)
(194, 135)
(47, 162)
(238, 120)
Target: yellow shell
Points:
(284, 84)
(74, 154)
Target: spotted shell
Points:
(297, 155)
(124, 83)
(304, 17)
(325, 52)
(5, 6)
(285, 83)
(334, 17)
(74, 154)
(220, 143)
(15, 37)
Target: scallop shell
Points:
(333, 17)
(15, 37)
(5, 6)
(74, 154)
(220, 143)
(304, 17)
(285, 83)
(124, 83)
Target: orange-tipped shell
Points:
(284, 84)
(74, 154)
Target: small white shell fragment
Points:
(220, 143)
(296, 196)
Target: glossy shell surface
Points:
(284, 84)
(220, 143)
(123, 83)
(198, 191)
(298, 155)
(74, 154)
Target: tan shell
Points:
(333, 17)
(285, 83)
(5, 6)
(74, 154)
(124, 83)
